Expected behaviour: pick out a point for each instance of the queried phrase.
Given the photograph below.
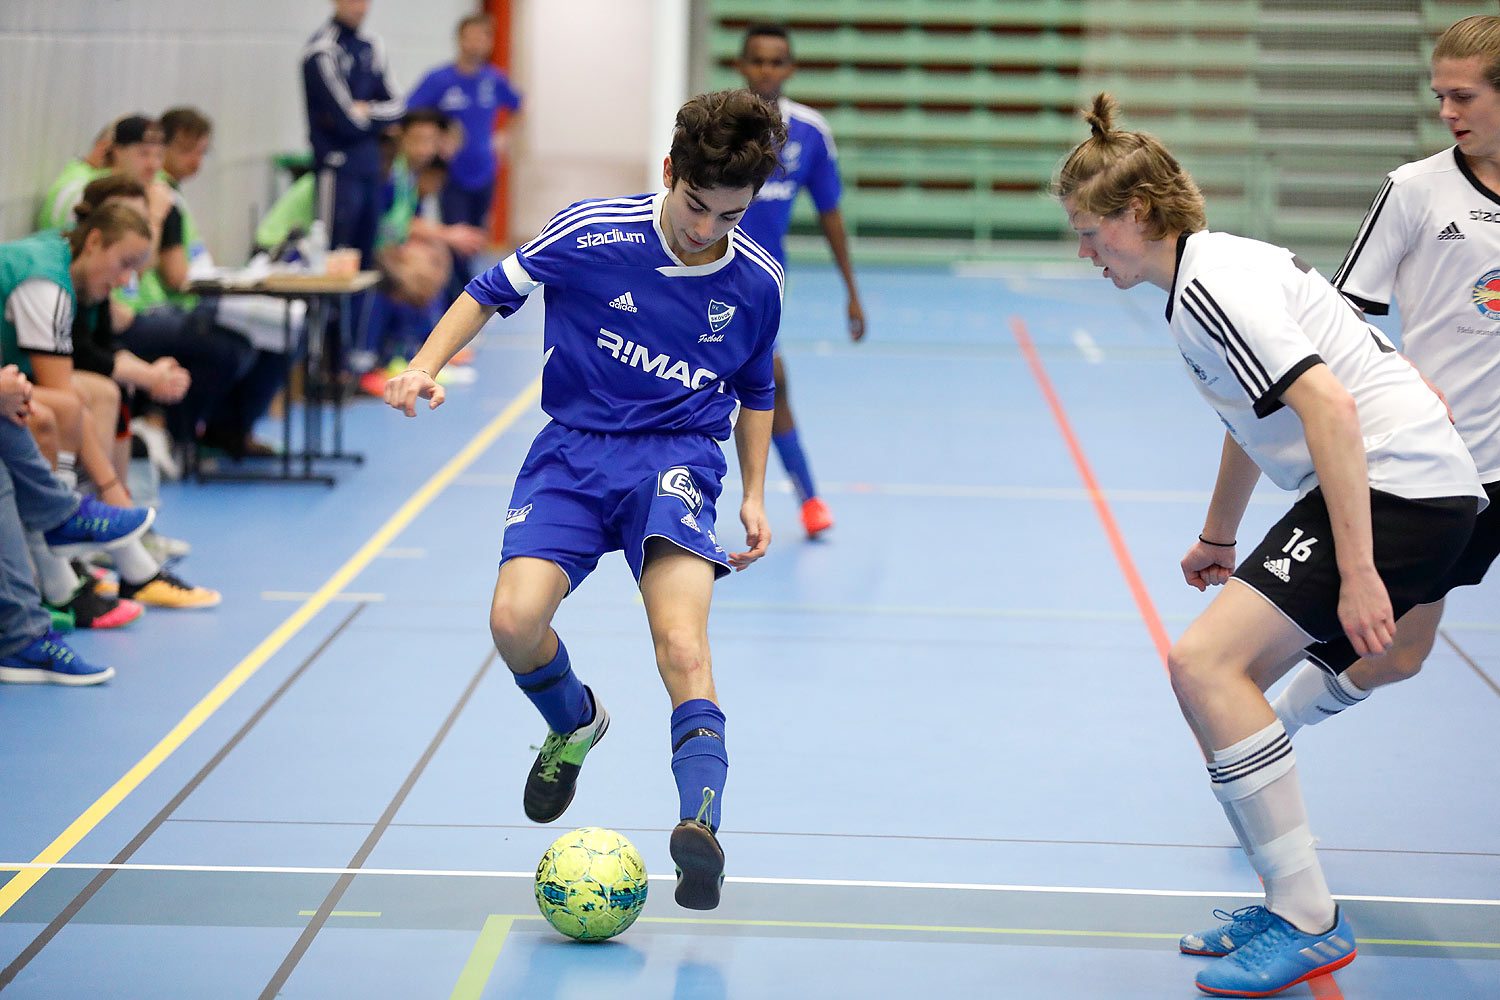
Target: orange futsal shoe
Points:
(816, 517)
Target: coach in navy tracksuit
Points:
(349, 101)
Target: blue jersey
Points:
(341, 66)
(808, 160)
(636, 341)
(475, 101)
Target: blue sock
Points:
(557, 693)
(698, 758)
(795, 463)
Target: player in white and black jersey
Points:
(1319, 401)
(1431, 242)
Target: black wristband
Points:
(1218, 545)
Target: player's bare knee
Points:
(1193, 669)
(682, 652)
(517, 633)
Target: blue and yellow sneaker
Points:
(1244, 924)
(1278, 957)
(48, 660)
(699, 858)
(98, 525)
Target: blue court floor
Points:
(957, 766)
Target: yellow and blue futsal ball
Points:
(591, 884)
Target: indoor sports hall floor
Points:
(957, 765)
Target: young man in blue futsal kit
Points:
(660, 317)
(808, 160)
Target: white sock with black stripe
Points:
(1255, 780)
(1312, 695)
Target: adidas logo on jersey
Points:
(1451, 232)
(691, 522)
(1281, 569)
(624, 302)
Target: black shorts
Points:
(1417, 543)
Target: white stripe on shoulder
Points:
(539, 244)
(749, 249)
(322, 40)
(516, 274)
(754, 249)
(567, 215)
(813, 117)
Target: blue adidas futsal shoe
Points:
(1243, 924)
(1278, 957)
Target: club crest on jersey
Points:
(1486, 294)
(719, 315)
(678, 482)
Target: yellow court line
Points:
(960, 929)
(481, 963)
(22, 882)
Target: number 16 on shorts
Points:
(1299, 546)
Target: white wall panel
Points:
(68, 66)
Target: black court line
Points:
(1322, 848)
(87, 893)
(305, 939)
(1470, 661)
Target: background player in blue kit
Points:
(660, 316)
(808, 160)
(474, 92)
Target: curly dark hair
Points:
(730, 138)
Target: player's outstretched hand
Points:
(856, 320)
(1207, 566)
(403, 390)
(757, 534)
(1366, 614)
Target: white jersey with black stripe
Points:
(1431, 243)
(1249, 318)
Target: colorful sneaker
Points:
(48, 660)
(372, 382)
(554, 776)
(700, 860)
(62, 618)
(98, 525)
(105, 583)
(1278, 957)
(816, 517)
(164, 547)
(90, 610)
(167, 591)
(1244, 924)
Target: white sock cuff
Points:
(1344, 689)
(1246, 767)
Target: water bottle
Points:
(314, 249)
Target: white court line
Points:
(1087, 346)
(740, 879)
(936, 491)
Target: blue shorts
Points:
(580, 494)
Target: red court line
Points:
(1101, 505)
(1324, 988)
